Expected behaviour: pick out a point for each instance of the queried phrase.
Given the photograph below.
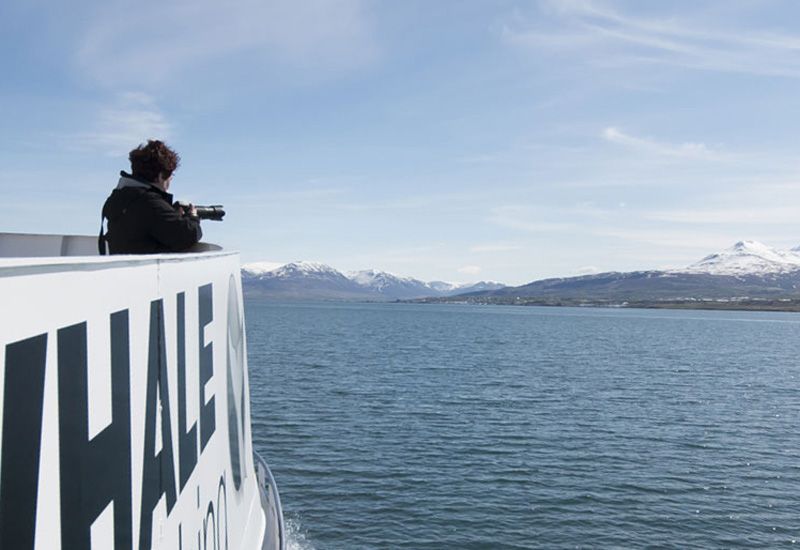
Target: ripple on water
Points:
(404, 426)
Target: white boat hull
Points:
(124, 407)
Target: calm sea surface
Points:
(443, 426)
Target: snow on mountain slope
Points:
(257, 269)
(291, 270)
(747, 258)
(380, 279)
(444, 287)
(307, 269)
(378, 284)
(393, 286)
(302, 280)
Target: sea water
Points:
(448, 426)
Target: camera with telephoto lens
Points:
(215, 212)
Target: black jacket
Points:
(141, 220)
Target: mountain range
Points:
(316, 281)
(747, 271)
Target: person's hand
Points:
(187, 210)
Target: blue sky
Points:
(453, 140)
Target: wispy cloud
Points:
(767, 215)
(121, 126)
(397, 260)
(602, 226)
(555, 218)
(684, 239)
(151, 42)
(526, 220)
(469, 269)
(494, 247)
(486, 158)
(317, 193)
(687, 150)
(608, 36)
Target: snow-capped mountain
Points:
(380, 280)
(311, 280)
(410, 288)
(747, 270)
(256, 269)
(306, 280)
(313, 270)
(747, 258)
(392, 285)
(444, 287)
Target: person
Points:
(140, 213)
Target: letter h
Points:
(98, 471)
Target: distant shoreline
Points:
(791, 306)
(722, 306)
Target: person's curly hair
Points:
(152, 159)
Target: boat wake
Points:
(295, 537)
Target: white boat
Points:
(124, 402)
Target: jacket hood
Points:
(126, 180)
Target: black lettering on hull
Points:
(187, 440)
(158, 473)
(22, 432)
(98, 471)
(205, 316)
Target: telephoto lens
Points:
(215, 212)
